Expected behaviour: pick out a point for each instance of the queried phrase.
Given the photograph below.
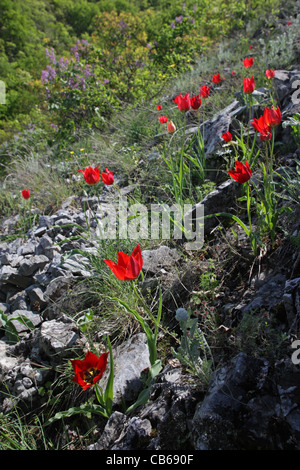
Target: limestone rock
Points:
(9, 275)
(31, 265)
(220, 199)
(130, 359)
(161, 258)
(57, 339)
(22, 327)
(123, 433)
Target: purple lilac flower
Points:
(122, 24)
(74, 49)
(44, 76)
(178, 19)
(87, 71)
(172, 25)
(51, 55)
(52, 73)
(63, 63)
(82, 83)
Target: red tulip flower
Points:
(171, 127)
(263, 128)
(108, 177)
(159, 107)
(227, 136)
(270, 74)
(248, 62)
(91, 175)
(128, 267)
(183, 102)
(265, 135)
(249, 85)
(242, 172)
(163, 119)
(217, 78)
(26, 193)
(204, 91)
(272, 117)
(195, 102)
(259, 124)
(90, 370)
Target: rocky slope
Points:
(252, 400)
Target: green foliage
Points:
(194, 351)
(9, 327)
(74, 94)
(258, 334)
(289, 184)
(134, 48)
(294, 123)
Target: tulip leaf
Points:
(141, 400)
(151, 339)
(86, 409)
(10, 329)
(233, 217)
(144, 394)
(108, 393)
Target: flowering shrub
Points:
(175, 47)
(121, 54)
(73, 92)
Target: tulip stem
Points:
(251, 235)
(249, 206)
(143, 303)
(203, 114)
(271, 153)
(248, 136)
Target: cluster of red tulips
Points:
(263, 125)
(93, 175)
(188, 102)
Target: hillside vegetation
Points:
(161, 102)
